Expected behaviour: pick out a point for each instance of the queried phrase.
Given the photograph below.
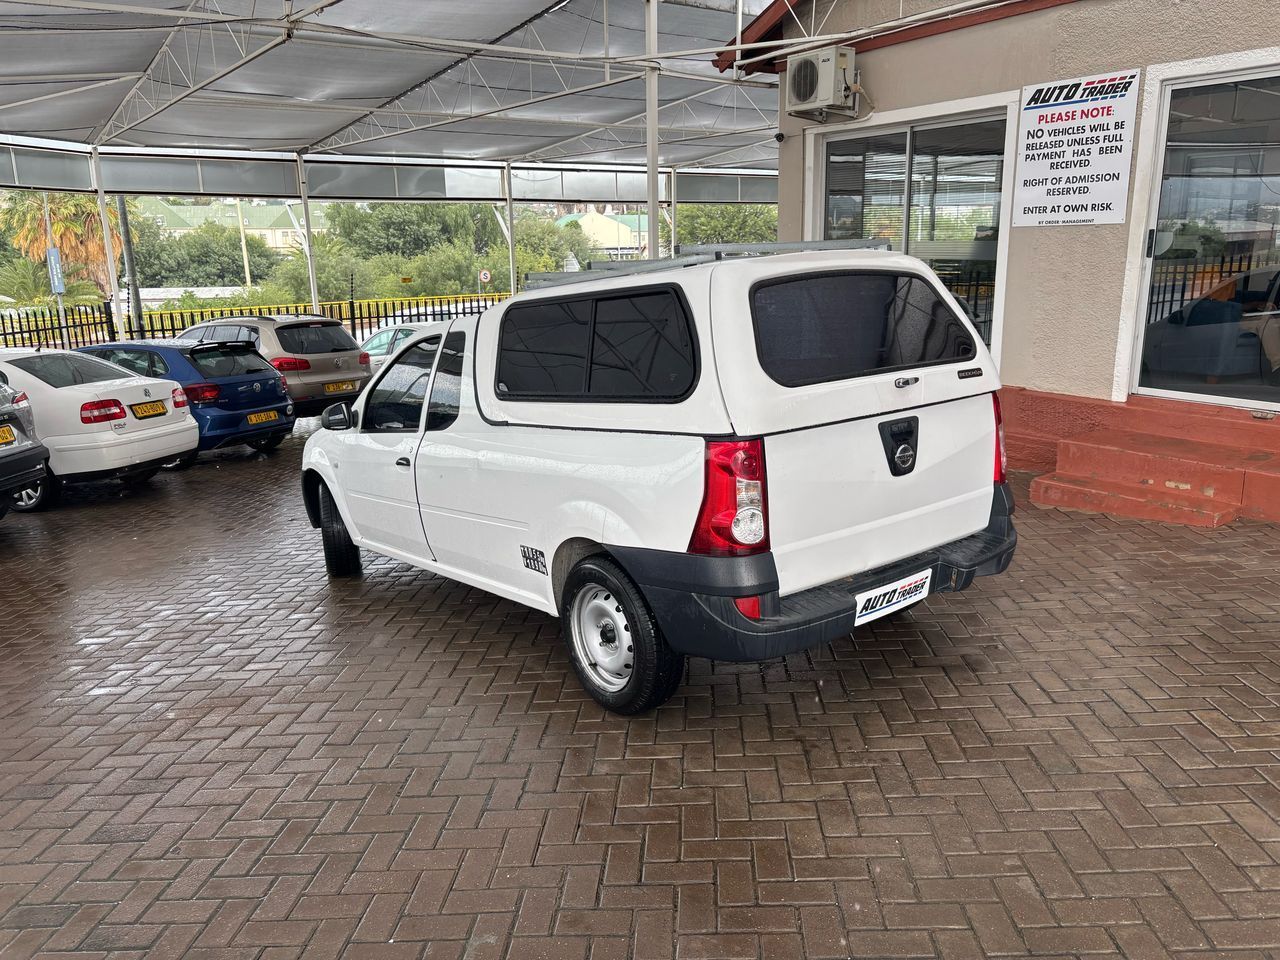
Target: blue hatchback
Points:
(235, 394)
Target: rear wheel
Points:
(341, 555)
(268, 443)
(616, 648)
(41, 495)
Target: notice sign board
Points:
(1075, 145)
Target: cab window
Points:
(396, 401)
(446, 391)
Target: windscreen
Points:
(68, 369)
(315, 338)
(228, 361)
(819, 328)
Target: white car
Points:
(98, 421)
(735, 460)
(390, 338)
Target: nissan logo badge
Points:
(904, 456)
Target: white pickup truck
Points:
(733, 460)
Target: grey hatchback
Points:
(22, 456)
(319, 359)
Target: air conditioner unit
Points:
(820, 80)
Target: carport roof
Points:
(519, 80)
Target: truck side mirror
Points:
(340, 416)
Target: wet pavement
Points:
(208, 749)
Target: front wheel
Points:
(41, 495)
(341, 555)
(616, 648)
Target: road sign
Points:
(485, 276)
(56, 279)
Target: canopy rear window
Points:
(820, 328)
(315, 338)
(68, 369)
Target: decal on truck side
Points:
(534, 559)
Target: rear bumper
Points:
(19, 470)
(223, 428)
(80, 457)
(692, 597)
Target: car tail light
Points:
(749, 607)
(203, 392)
(21, 398)
(291, 363)
(101, 411)
(284, 383)
(179, 398)
(1002, 459)
(364, 359)
(733, 520)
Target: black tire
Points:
(268, 443)
(140, 478)
(184, 462)
(42, 495)
(341, 555)
(634, 677)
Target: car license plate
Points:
(888, 597)
(144, 411)
(342, 386)
(7, 436)
(265, 417)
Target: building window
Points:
(1213, 309)
(932, 192)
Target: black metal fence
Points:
(1177, 282)
(87, 324)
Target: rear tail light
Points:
(203, 392)
(284, 383)
(364, 359)
(749, 607)
(179, 398)
(1002, 459)
(733, 520)
(101, 411)
(21, 398)
(291, 363)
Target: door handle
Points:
(906, 382)
(402, 462)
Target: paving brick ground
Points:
(208, 750)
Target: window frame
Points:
(594, 298)
(382, 375)
(435, 369)
(940, 292)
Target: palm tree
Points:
(77, 231)
(27, 283)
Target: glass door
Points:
(1212, 325)
(930, 191)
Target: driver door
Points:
(377, 458)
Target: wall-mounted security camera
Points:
(779, 136)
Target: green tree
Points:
(157, 254)
(723, 223)
(26, 282)
(336, 266)
(77, 231)
(409, 229)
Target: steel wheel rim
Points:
(29, 497)
(602, 638)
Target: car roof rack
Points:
(690, 255)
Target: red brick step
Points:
(1127, 499)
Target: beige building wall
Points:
(1063, 312)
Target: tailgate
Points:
(872, 393)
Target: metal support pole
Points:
(49, 258)
(130, 268)
(651, 120)
(737, 54)
(671, 194)
(511, 225)
(108, 248)
(244, 245)
(306, 231)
